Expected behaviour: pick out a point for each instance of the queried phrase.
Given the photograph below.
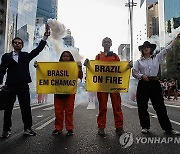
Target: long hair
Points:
(70, 55)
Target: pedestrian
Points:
(108, 55)
(64, 103)
(146, 69)
(16, 65)
(165, 84)
(174, 89)
(40, 98)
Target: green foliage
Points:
(172, 59)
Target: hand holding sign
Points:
(86, 62)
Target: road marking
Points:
(35, 106)
(39, 116)
(45, 124)
(91, 105)
(172, 106)
(129, 106)
(49, 108)
(166, 105)
(155, 116)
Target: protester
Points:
(16, 64)
(108, 55)
(146, 70)
(64, 103)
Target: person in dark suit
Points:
(16, 65)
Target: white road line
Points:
(155, 116)
(34, 106)
(49, 108)
(45, 124)
(91, 105)
(166, 105)
(129, 106)
(176, 106)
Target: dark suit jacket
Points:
(18, 73)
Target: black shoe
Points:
(6, 134)
(101, 132)
(173, 132)
(120, 131)
(56, 132)
(70, 133)
(29, 132)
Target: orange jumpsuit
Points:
(103, 98)
(64, 106)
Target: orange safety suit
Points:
(64, 106)
(103, 98)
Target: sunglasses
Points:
(17, 42)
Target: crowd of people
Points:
(169, 88)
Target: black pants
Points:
(22, 92)
(152, 90)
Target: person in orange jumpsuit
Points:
(108, 55)
(64, 103)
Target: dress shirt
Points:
(15, 56)
(149, 66)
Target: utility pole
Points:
(131, 4)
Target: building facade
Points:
(20, 21)
(3, 22)
(68, 39)
(152, 19)
(46, 9)
(169, 27)
(169, 15)
(124, 52)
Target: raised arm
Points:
(39, 48)
(163, 52)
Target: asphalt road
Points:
(85, 139)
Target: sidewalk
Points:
(172, 102)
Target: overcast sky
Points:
(92, 20)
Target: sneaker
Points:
(29, 132)
(70, 133)
(6, 134)
(56, 132)
(101, 131)
(145, 131)
(173, 132)
(120, 131)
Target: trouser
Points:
(151, 90)
(116, 105)
(64, 106)
(22, 92)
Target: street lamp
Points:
(131, 4)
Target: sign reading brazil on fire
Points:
(56, 77)
(102, 76)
